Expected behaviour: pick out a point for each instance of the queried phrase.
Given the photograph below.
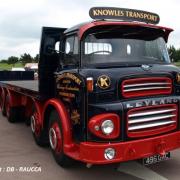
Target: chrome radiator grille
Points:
(146, 86)
(151, 120)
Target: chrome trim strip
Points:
(156, 118)
(150, 125)
(151, 112)
(146, 88)
(145, 84)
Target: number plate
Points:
(156, 158)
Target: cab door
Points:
(49, 59)
(70, 86)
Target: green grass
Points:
(177, 63)
(5, 66)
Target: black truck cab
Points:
(123, 62)
(107, 90)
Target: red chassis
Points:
(90, 152)
(94, 152)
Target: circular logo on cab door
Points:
(103, 82)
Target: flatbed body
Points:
(28, 87)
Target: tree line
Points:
(174, 53)
(25, 58)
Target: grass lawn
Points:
(5, 66)
(177, 63)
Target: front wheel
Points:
(56, 141)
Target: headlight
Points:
(178, 77)
(107, 127)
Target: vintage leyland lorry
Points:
(107, 94)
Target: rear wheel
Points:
(1, 99)
(2, 105)
(56, 141)
(3, 111)
(14, 114)
(40, 137)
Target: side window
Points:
(57, 45)
(69, 45)
(76, 49)
(71, 51)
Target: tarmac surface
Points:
(22, 159)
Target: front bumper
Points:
(93, 153)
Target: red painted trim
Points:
(90, 152)
(157, 130)
(120, 23)
(65, 121)
(146, 92)
(98, 120)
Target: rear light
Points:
(106, 126)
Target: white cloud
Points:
(21, 20)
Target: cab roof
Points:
(83, 27)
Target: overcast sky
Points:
(21, 20)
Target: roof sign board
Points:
(123, 14)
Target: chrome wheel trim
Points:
(33, 124)
(53, 138)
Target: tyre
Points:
(2, 106)
(40, 136)
(56, 141)
(1, 99)
(3, 111)
(13, 114)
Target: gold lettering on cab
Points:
(70, 76)
(123, 14)
(70, 95)
(107, 12)
(141, 15)
(75, 117)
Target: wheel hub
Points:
(52, 138)
(55, 138)
(33, 124)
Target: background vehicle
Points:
(17, 69)
(32, 67)
(109, 95)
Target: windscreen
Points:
(125, 45)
